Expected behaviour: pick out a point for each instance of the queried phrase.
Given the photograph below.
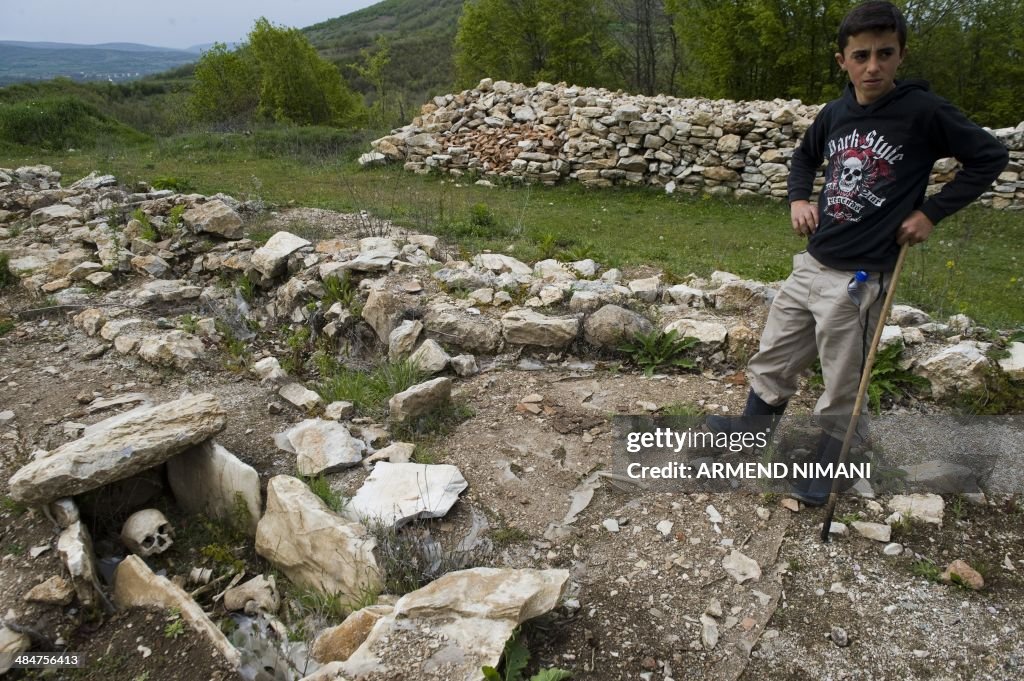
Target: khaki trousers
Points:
(814, 316)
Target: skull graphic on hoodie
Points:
(853, 174)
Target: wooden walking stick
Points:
(862, 390)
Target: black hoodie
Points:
(879, 159)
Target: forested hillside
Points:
(420, 36)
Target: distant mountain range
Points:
(28, 61)
(421, 35)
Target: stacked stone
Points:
(551, 133)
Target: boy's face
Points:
(871, 59)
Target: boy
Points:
(880, 138)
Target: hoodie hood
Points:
(902, 89)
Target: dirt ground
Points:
(641, 595)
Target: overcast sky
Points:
(173, 23)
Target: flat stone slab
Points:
(136, 586)
(452, 627)
(396, 493)
(119, 447)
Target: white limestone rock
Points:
(209, 480)
(430, 357)
(420, 399)
(709, 334)
(458, 623)
(136, 586)
(176, 349)
(397, 493)
(314, 547)
(214, 217)
(526, 327)
(321, 446)
(271, 258)
(300, 396)
(957, 368)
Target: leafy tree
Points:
(296, 84)
(277, 75)
(646, 53)
(759, 49)
(531, 40)
(226, 85)
(372, 67)
(971, 51)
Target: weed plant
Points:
(146, 231)
(889, 382)
(321, 486)
(515, 658)
(7, 277)
(658, 350)
(339, 289)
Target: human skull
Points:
(851, 174)
(147, 533)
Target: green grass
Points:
(320, 486)
(368, 391)
(630, 226)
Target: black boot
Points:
(815, 491)
(758, 416)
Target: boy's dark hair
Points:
(873, 16)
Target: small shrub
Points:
(480, 215)
(9, 505)
(889, 381)
(442, 421)
(222, 556)
(547, 246)
(188, 323)
(6, 326)
(409, 558)
(237, 348)
(247, 288)
(578, 252)
(147, 231)
(927, 569)
(504, 536)
(7, 277)
(331, 608)
(174, 218)
(175, 625)
(659, 350)
(368, 391)
(998, 395)
(684, 409)
(297, 342)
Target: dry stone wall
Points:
(553, 133)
